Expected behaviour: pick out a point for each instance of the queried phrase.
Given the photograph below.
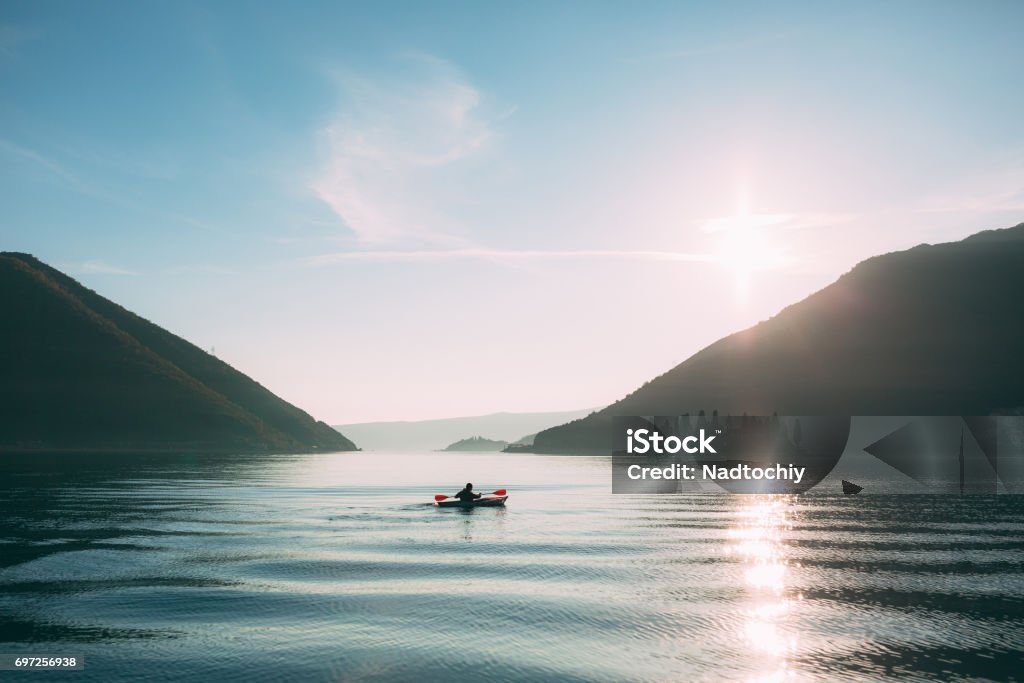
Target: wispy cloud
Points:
(753, 242)
(199, 269)
(391, 140)
(96, 268)
(774, 221)
(56, 172)
(995, 191)
(509, 255)
(51, 167)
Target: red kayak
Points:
(485, 502)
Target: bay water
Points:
(337, 567)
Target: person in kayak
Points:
(466, 495)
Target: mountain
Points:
(80, 373)
(432, 435)
(933, 330)
(476, 444)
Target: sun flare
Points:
(745, 244)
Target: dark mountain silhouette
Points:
(78, 372)
(431, 435)
(934, 330)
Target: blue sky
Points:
(409, 210)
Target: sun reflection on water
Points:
(758, 540)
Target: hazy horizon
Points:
(403, 212)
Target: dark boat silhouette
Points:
(849, 488)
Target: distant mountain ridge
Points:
(431, 435)
(933, 330)
(80, 373)
(476, 444)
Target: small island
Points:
(477, 444)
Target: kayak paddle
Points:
(500, 492)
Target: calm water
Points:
(336, 567)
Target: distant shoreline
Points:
(85, 451)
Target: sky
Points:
(389, 210)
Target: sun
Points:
(746, 244)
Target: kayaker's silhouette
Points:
(466, 495)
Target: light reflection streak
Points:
(758, 539)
